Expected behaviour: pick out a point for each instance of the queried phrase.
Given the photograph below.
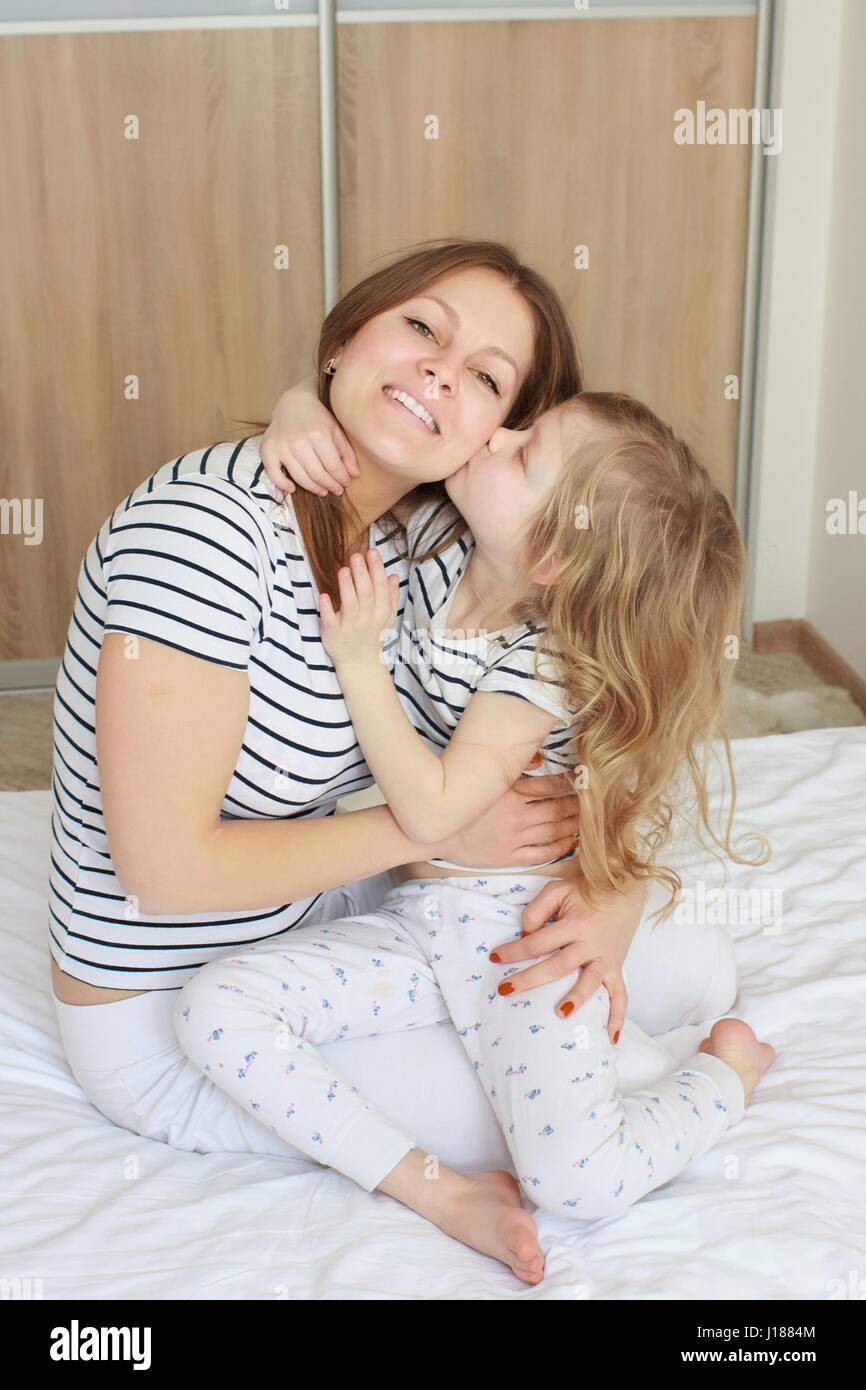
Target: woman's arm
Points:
(431, 795)
(169, 728)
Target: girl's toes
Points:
(535, 1260)
(525, 1247)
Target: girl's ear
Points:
(548, 572)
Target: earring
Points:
(330, 366)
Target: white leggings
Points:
(579, 1146)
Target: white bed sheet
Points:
(776, 1210)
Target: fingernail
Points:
(535, 761)
(506, 987)
(616, 1036)
(497, 958)
(567, 1008)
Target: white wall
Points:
(809, 446)
(836, 585)
(804, 85)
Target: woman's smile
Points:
(408, 404)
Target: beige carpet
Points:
(779, 693)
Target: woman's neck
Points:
(369, 497)
(376, 491)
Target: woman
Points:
(201, 739)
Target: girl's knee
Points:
(190, 1000)
(198, 989)
(203, 992)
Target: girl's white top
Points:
(437, 671)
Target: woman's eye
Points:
(485, 376)
(420, 323)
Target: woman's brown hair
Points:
(330, 525)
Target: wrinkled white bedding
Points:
(776, 1210)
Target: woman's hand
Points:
(304, 444)
(369, 599)
(536, 820)
(594, 940)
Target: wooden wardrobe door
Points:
(143, 265)
(558, 134)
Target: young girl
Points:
(601, 582)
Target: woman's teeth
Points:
(416, 407)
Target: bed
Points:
(776, 1211)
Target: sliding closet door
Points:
(557, 135)
(149, 180)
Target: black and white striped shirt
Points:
(204, 556)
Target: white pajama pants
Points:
(580, 1147)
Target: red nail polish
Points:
(567, 1007)
(494, 956)
(616, 1036)
(506, 987)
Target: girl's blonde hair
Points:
(643, 620)
(330, 525)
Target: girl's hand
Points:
(304, 444)
(368, 608)
(595, 940)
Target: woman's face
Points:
(457, 354)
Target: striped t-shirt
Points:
(436, 671)
(204, 556)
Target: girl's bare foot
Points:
(481, 1209)
(736, 1043)
(485, 1212)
